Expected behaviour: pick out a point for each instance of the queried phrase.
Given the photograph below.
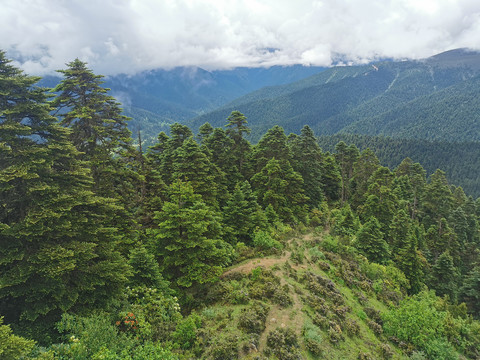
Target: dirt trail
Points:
(278, 316)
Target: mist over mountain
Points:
(435, 99)
(157, 98)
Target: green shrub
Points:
(223, 348)
(283, 343)
(416, 320)
(185, 333)
(11, 346)
(252, 319)
(312, 338)
(352, 327)
(264, 241)
(329, 243)
(385, 351)
(335, 334)
(440, 349)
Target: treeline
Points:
(97, 236)
(460, 161)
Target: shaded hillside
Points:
(159, 96)
(431, 99)
(460, 161)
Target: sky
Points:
(128, 36)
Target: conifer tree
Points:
(307, 161)
(363, 168)
(370, 242)
(192, 165)
(331, 179)
(346, 156)
(187, 240)
(407, 257)
(99, 130)
(220, 148)
(437, 199)
(237, 128)
(273, 144)
(278, 185)
(242, 214)
(444, 276)
(411, 190)
(470, 291)
(204, 132)
(57, 245)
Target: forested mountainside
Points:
(460, 161)
(158, 98)
(210, 247)
(433, 99)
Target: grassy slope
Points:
(283, 280)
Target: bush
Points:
(352, 327)
(335, 333)
(252, 319)
(185, 334)
(329, 243)
(312, 338)
(264, 241)
(416, 320)
(385, 351)
(224, 347)
(283, 343)
(376, 328)
(12, 346)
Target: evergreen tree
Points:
(380, 201)
(411, 190)
(346, 156)
(347, 224)
(282, 188)
(237, 128)
(145, 269)
(363, 168)
(57, 246)
(166, 150)
(400, 230)
(99, 130)
(273, 144)
(331, 179)
(204, 132)
(307, 161)
(437, 200)
(408, 258)
(370, 242)
(187, 241)
(470, 291)
(441, 238)
(220, 148)
(192, 165)
(444, 276)
(242, 214)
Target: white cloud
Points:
(133, 35)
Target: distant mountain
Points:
(158, 97)
(435, 99)
(460, 161)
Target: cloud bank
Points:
(127, 36)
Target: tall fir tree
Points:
(237, 129)
(188, 238)
(57, 246)
(307, 159)
(282, 188)
(99, 130)
(370, 242)
(346, 156)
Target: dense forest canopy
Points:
(108, 251)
